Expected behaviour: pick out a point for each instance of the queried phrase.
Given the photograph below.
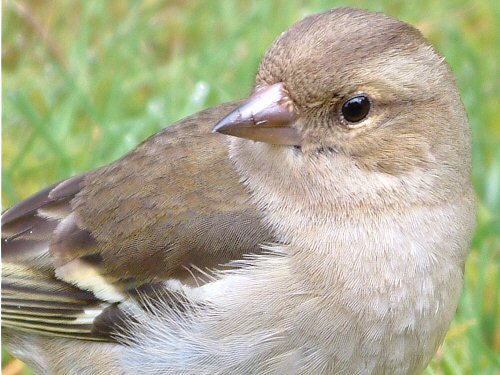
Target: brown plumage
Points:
(139, 220)
(328, 236)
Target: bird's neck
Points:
(376, 251)
(353, 223)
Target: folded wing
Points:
(171, 209)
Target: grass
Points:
(84, 82)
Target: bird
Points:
(320, 226)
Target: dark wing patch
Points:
(29, 227)
(23, 250)
(70, 241)
(113, 322)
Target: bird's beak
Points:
(267, 116)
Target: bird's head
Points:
(351, 107)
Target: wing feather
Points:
(76, 253)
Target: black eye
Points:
(356, 108)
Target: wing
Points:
(172, 207)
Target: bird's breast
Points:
(386, 287)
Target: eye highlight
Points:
(356, 108)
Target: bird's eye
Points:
(356, 108)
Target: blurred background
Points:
(86, 81)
